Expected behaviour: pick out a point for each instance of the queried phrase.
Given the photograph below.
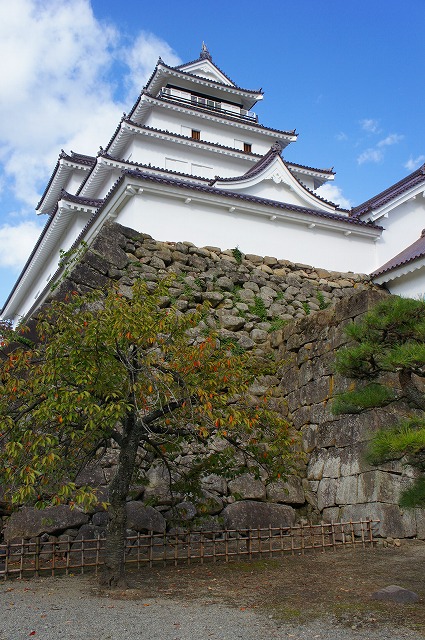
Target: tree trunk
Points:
(410, 390)
(113, 573)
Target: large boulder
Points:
(288, 491)
(247, 487)
(144, 518)
(30, 522)
(250, 514)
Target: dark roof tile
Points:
(411, 253)
(392, 192)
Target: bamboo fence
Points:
(58, 556)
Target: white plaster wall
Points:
(172, 220)
(222, 133)
(74, 181)
(402, 227)
(411, 285)
(145, 149)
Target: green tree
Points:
(107, 370)
(387, 359)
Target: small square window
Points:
(247, 147)
(196, 135)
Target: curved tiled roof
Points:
(392, 192)
(78, 158)
(304, 166)
(411, 253)
(88, 202)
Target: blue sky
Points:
(346, 74)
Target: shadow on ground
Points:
(299, 588)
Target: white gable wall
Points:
(403, 226)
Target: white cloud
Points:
(414, 163)
(142, 57)
(334, 193)
(17, 242)
(370, 125)
(371, 155)
(341, 136)
(57, 89)
(392, 138)
(376, 154)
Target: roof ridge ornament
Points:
(277, 146)
(205, 54)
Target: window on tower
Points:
(196, 134)
(247, 147)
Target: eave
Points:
(401, 270)
(163, 73)
(147, 101)
(66, 209)
(65, 166)
(396, 194)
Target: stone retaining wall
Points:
(253, 301)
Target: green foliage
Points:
(389, 341)
(68, 260)
(367, 397)
(321, 300)
(414, 496)
(407, 438)
(276, 324)
(258, 308)
(237, 254)
(306, 308)
(107, 369)
(388, 338)
(233, 345)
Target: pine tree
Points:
(387, 359)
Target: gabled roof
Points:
(264, 163)
(410, 181)
(180, 70)
(203, 56)
(408, 255)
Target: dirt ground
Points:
(298, 588)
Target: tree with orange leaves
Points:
(109, 370)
